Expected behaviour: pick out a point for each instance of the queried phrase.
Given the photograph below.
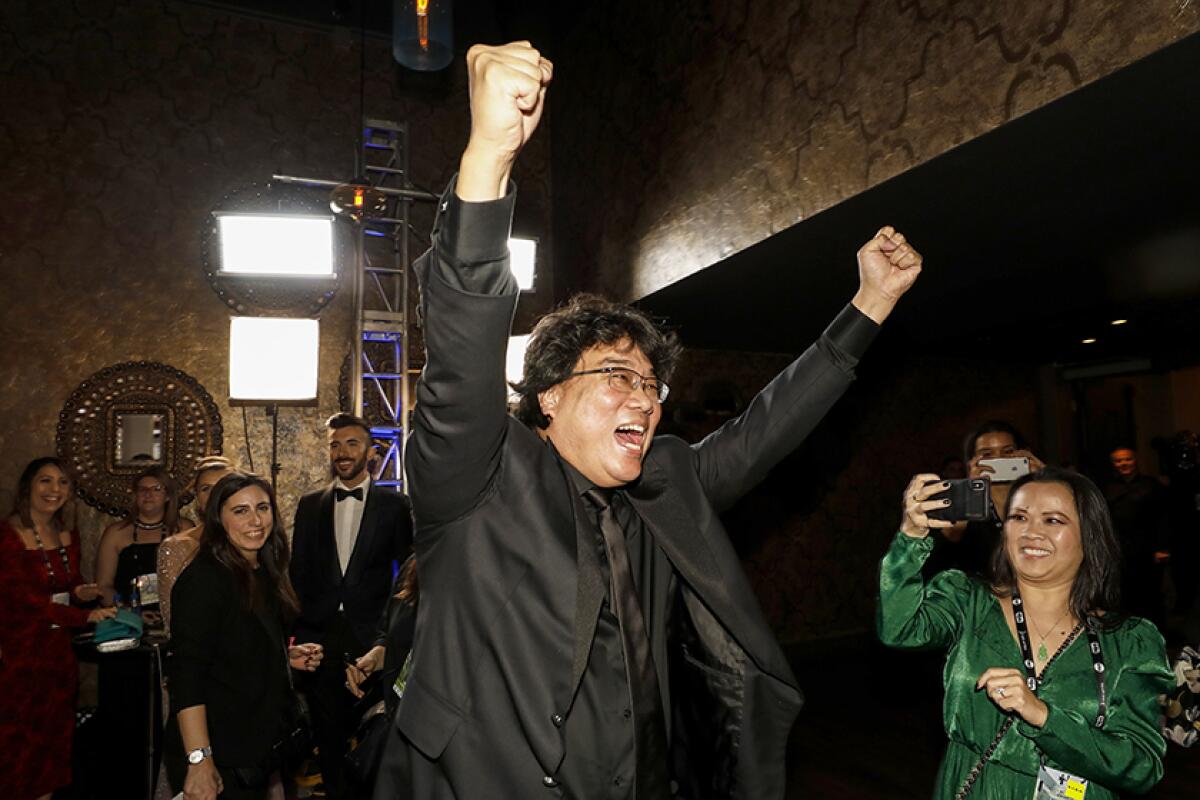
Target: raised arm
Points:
(911, 613)
(468, 294)
(737, 456)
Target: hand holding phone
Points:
(1004, 470)
(969, 498)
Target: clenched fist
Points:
(508, 93)
(887, 267)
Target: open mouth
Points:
(1034, 552)
(631, 437)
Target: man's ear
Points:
(548, 400)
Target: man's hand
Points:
(203, 782)
(508, 92)
(887, 266)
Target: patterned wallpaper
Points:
(124, 124)
(733, 119)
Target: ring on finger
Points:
(999, 691)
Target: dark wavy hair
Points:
(990, 426)
(25, 491)
(561, 337)
(1097, 586)
(272, 558)
(171, 509)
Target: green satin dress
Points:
(962, 615)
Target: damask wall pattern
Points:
(734, 119)
(124, 122)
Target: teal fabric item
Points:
(961, 615)
(125, 625)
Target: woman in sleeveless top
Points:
(129, 548)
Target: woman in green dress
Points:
(1047, 688)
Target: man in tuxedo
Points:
(585, 629)
(347, 540)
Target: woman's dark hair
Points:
(171, 509)
(1097, 586)
(408, 589)
(272, 558)
(991, 426)
(25, 491)
(561, 337)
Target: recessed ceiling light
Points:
(1119, 322)
(1089, 341)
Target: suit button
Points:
(557, 719)
(549, 782)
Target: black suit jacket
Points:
(508, 598)
(384, 539)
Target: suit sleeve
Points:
(1127, 753)
(198, 617)
(300, 569)
(468, 297)
(734, 458)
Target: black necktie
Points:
(649, 738)
(342, 494)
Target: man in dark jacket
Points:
(585, 629)
(347, 541)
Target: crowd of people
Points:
(570, 618)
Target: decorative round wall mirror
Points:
(131, 416)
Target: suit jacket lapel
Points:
(589, 593)
(677, 531)
(328, 537)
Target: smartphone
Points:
(1006, 470)
(969, 500)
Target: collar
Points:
(365, 486)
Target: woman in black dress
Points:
(129, 548)
(229, 676)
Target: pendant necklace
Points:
(1042, 652)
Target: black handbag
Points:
(363, 760)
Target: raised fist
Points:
(508, 92)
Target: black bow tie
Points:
(342, 494)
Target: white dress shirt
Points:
(347, 517)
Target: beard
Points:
(357, 466)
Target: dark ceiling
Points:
(1036, 236)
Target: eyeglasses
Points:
(157, 488)
(626, 381)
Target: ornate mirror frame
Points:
(88, 422)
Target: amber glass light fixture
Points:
(423, 34)
(357, 199)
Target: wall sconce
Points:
(522, 259)
(275, 245)
(423, 34)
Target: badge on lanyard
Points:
(1055, 785)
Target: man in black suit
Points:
(585, 629)
(347, 541)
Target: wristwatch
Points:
(194, 757)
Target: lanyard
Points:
(1033, 681)
(62, 552)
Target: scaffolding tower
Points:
(380, 373)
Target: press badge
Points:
(1055, 785)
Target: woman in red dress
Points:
(39, 578)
